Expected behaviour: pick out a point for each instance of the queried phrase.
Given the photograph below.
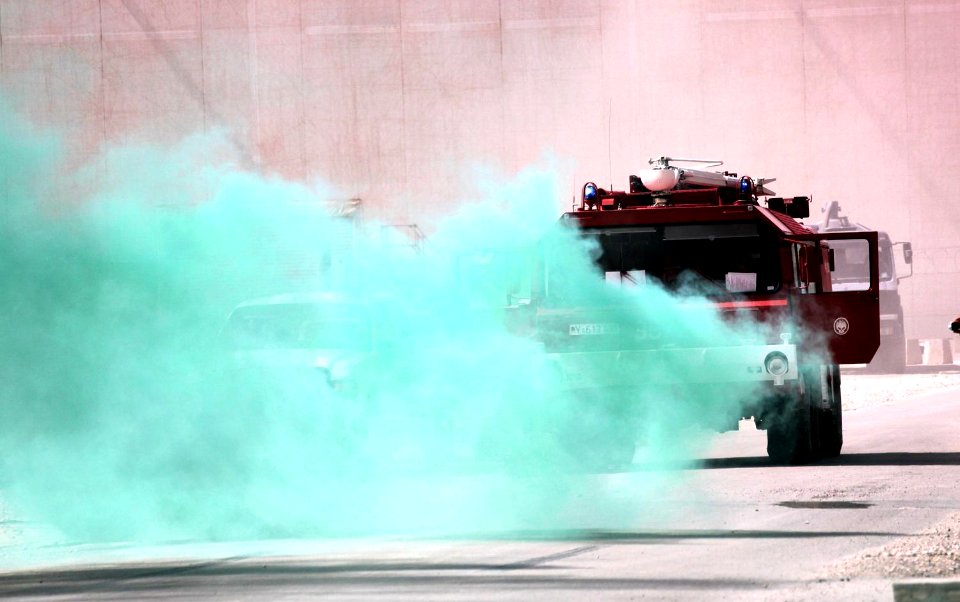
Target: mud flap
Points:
(789, 430)
(827, 415)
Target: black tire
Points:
(828, 437)
(789, 430)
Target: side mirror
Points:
(833, 261)
(907, 258)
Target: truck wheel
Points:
(828, 439)
(788, 432)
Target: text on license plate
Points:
(593, 329)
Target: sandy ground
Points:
(861, 390)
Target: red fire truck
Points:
(761, 262)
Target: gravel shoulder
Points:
(933, 552)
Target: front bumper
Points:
(651, 367)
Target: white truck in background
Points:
(892, 355)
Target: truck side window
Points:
(851, 265)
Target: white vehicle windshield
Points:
(299, 326)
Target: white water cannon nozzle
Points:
(659, 178)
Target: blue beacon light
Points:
(589, 191)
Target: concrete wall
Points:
(393, 101)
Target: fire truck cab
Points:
(764, 263)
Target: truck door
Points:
(845, 306)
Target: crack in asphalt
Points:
(540, 560)
(825, 505)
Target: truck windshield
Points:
(885, 259)
(715, 259)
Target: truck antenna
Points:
(609, 152)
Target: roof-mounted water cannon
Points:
(663, 177)
(666, 184)
(833, 220)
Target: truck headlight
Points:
(776, 364)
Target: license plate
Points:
(593, 329)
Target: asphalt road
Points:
(735, 529)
